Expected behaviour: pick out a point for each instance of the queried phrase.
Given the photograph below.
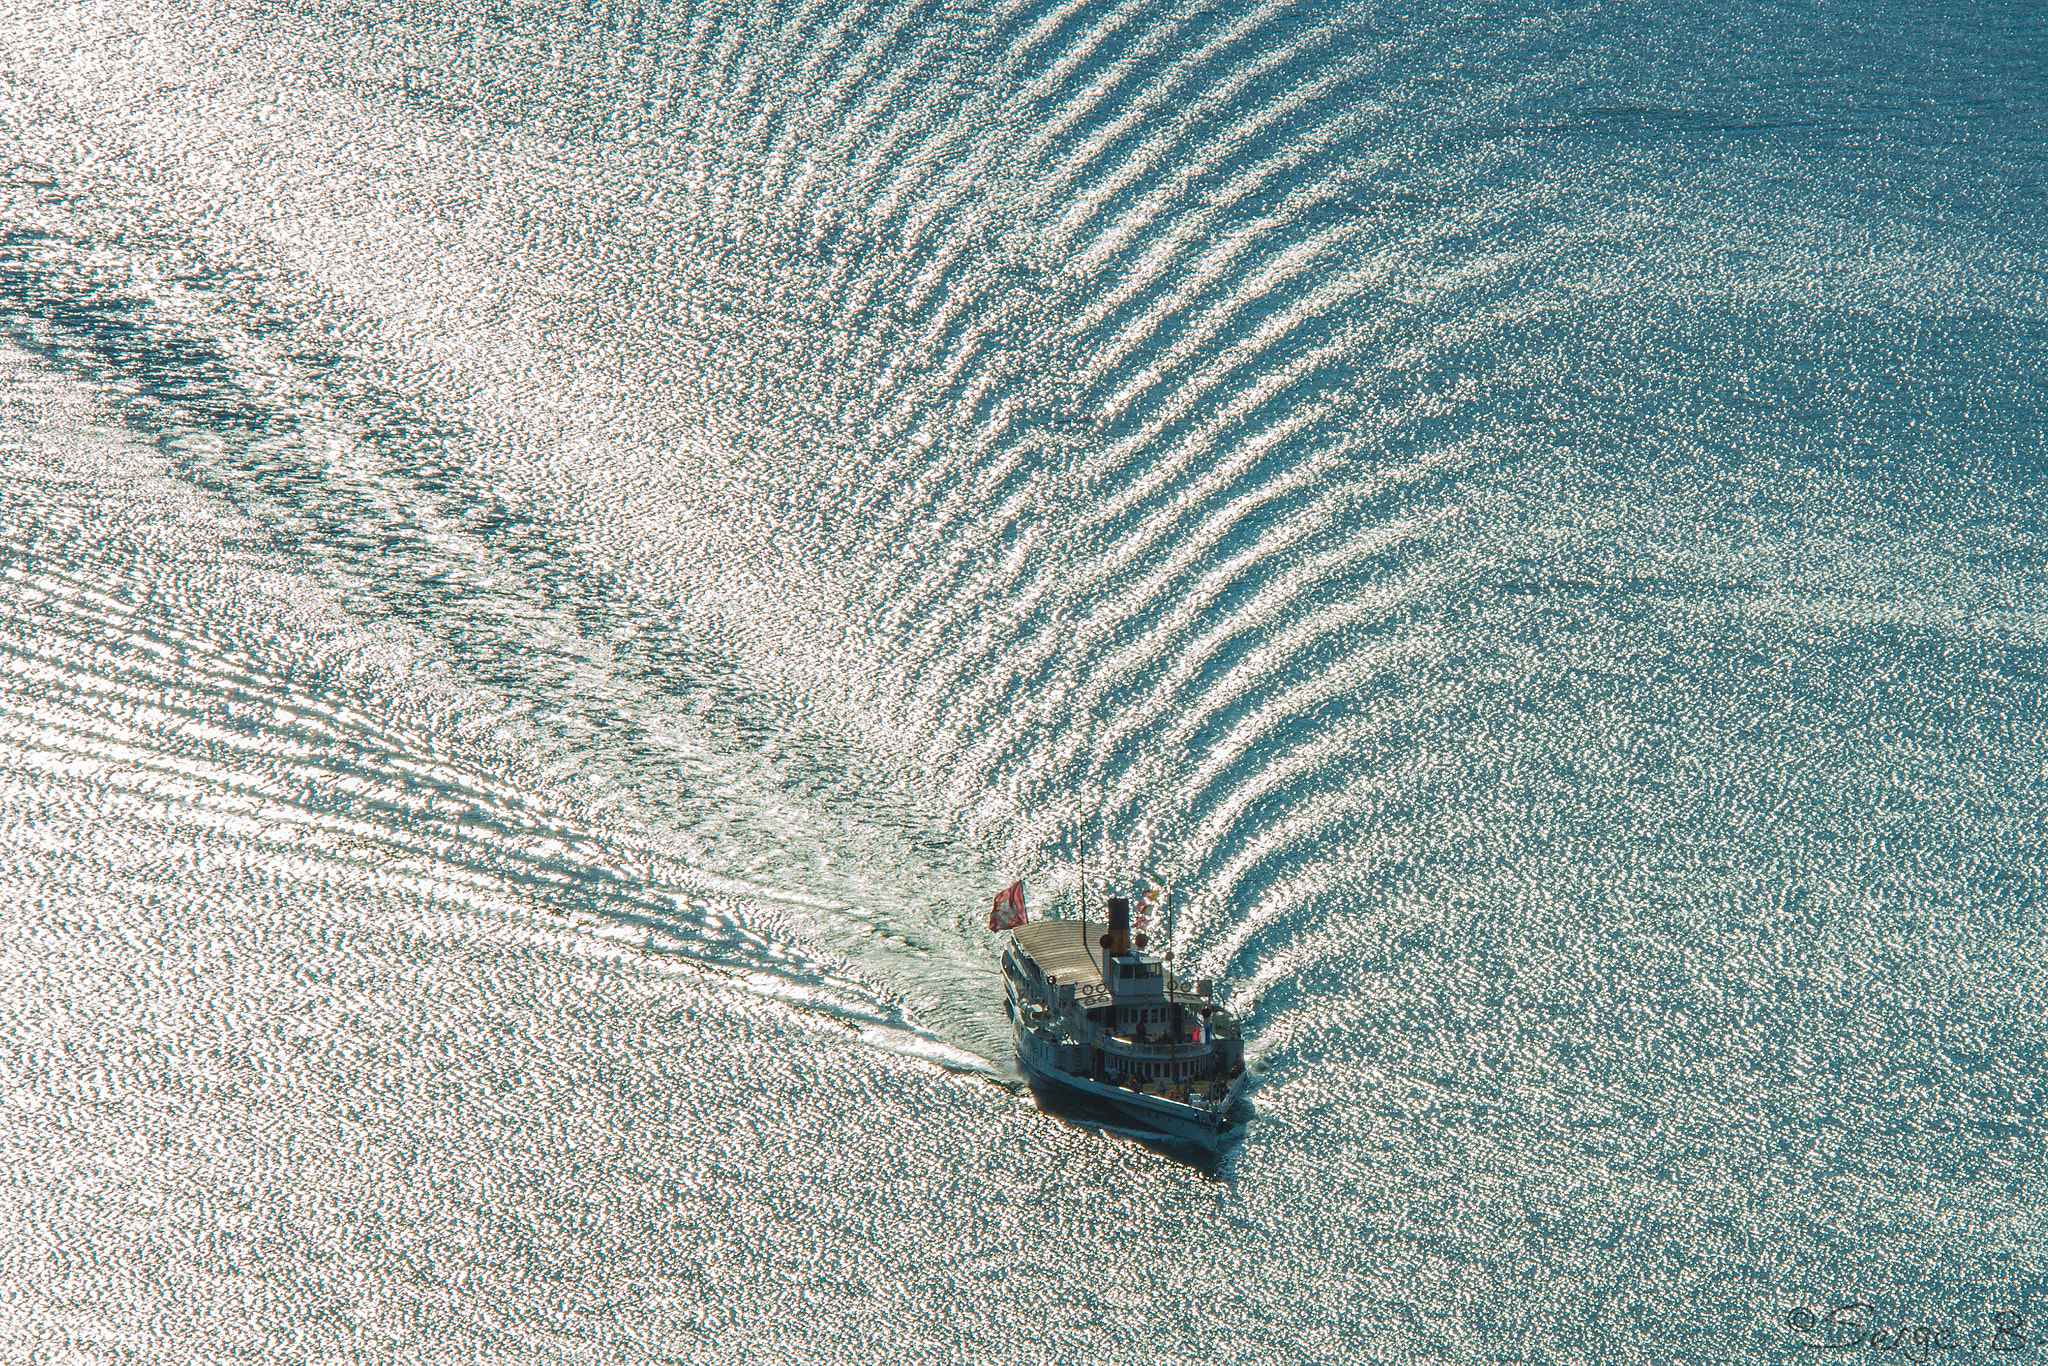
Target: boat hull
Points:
(1209, 1129)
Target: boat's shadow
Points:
(1084, 1112)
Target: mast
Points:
(1081, 838)
(1173, 1026)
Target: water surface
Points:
(555, 557)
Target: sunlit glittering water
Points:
(555, 556)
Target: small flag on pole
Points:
(1152, 896)
(1009, 909)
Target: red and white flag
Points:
(1009, 909)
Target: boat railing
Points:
(1155, 1043)
(1216, 1096)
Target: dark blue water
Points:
(555, 556)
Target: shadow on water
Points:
(1078, 1111)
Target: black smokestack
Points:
(1119, 926)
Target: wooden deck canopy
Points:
(1066, 949)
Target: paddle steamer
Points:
(1094, 1013)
